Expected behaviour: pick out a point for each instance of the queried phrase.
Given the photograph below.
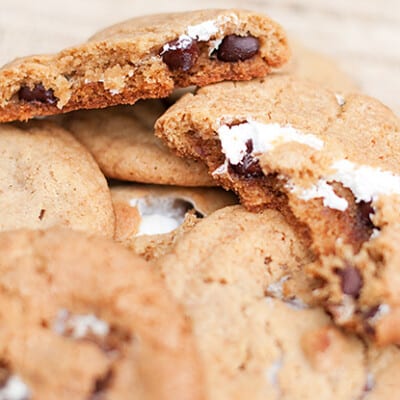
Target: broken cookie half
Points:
(327, 162)
(145, 57)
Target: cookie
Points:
(122, 142)
(149, 218)
(330, 163)
(308, 64)
(83, 318)
(145, 57)
(47, 179)
(238, 274)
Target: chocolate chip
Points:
(41, 214)
(351, 281)
(248, 167)
(249, 146)
(100, 386)
(237, 48)
(38, 93)
(365, 210)
(180, 54)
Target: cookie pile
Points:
(127, 273)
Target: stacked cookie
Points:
(290, 295)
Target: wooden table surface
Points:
(362, 35)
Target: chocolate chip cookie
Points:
(329, 163)
(149, 218)
(47, 178)
(145, 57)
(122, 141)
(239, 276)
(83, 318)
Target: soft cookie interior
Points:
(146, 57)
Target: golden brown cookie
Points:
(145, 57)
(149, 218)
(47, 178)
(239, 276)
(122, 141)
(98, 318)
(329, 163)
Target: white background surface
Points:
(362, 35)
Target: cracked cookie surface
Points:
(84, 318)
(47, 178)
(145, 57)
(329, 163)
(259, 331)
